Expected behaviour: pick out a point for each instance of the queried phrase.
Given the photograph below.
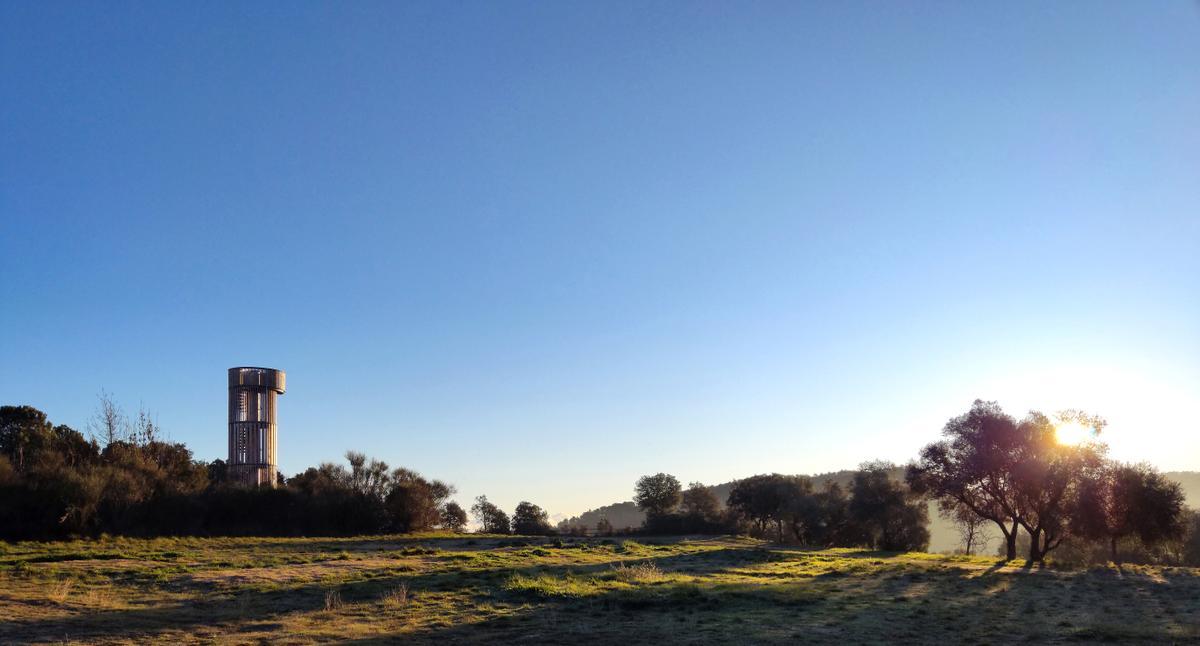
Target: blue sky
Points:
(539, 250)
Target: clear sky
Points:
(538, 250)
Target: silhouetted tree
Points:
(975, 466)
(800, 510)
(835, 526)
(414, 503)
(219, 472)
(657, 495)
(1045, 480)
(530, 519)
(701, 509)
(759, 499)
(491, 519)
(882, 510)
(454, 517)
(699, 501)
(1116, 501)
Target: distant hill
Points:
(943, 535)
(620, 515)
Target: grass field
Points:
(492, 589)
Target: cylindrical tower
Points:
(252, 428)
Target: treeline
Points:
(991, 474)
(55, 483)
(874, 511)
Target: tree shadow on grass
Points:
(935, 605)
(893, 602)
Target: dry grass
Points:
(333, 600)
(644, 572)
(61, 590)
(496, 590)
(397, 597)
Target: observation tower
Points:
(253, 432)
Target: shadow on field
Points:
(876, 599)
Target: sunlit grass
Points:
(473, 589)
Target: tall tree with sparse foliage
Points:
(491, 519)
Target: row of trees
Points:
(528, 519)
(989, 469)
(1016, 475)
(56, 482)
(877, 511)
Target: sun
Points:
(1073, 433)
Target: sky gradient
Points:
(540, 250)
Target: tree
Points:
(603, 527)
(700, 502)
(975, 466)
(109, 422)
(24, 430)
(144, 428)
(1116, 501)
(491, 519)
(657, 495)
(882, 509)
(529, 519)
(368, 477)
(756, 498)
(414, 503)
(972, 528)
(801, 510)
(835, 527)
(1191, 543)
(453, 517)
(1045, 479)
(774, 498)
(72, 447)
(701, 509)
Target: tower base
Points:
(254, 475)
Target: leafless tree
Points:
(974, 531)
(145, 429)
(109, 421)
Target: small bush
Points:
(333, 600)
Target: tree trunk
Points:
(1113, 544)
(1010, 540)
(1035, 546)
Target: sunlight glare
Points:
(1073, 433)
